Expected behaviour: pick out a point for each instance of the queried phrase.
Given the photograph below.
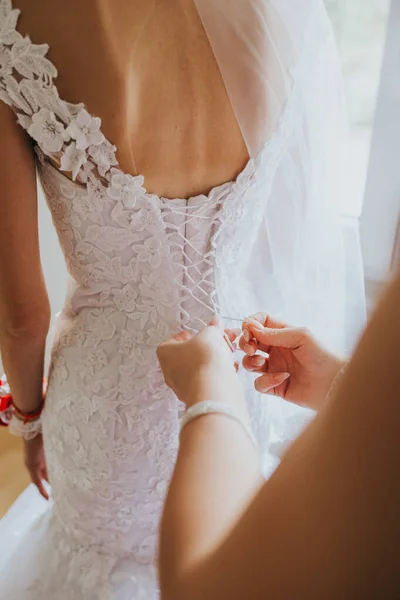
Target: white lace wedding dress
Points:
(141, 268)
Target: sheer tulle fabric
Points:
(31, 540)
(282, 74)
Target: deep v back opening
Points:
(75, 108)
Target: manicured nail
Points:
(249, 349)
(246, 335)
(258, 361)
(254, 323)
(281, 377)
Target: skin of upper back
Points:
(146, 68)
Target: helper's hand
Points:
(200, 367)
(294, 366)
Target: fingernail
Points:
(281, 377)
(258, 361)
(249, 349)
(246, 335)
(255, 324)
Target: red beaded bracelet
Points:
(27, 417)
(8, 408)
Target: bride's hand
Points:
(294, 366)
(36, 464)
(200, 367)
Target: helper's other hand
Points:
(288, 361)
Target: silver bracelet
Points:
(210, 407)
(336, 382)
(28, 430)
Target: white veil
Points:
(280, 66)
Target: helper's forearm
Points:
(23, 362)
(200, 510)
(326, 525)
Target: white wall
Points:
(360, 27)
(52, 258)
(381, 213)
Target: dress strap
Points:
(64, 132)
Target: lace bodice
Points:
(113, 233)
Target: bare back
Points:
(147, 69)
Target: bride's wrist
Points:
(20, 419)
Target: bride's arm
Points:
(326, 525)
(24, 304)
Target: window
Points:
(360, 27)
(368, 35)
(380, 222)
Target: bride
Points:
(184, 148)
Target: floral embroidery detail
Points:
(82, 410)
(77, 337)
(99, 328)
(47, 131)
(61, 210)
(131, 345)
(131, 383)
(125, 188)
(158, 334)
(152, 252)
(104, 156)
(137, 420)
(57, 126)
(72, 160)
(145, 219)
(125, 299)
(25, 123)
(58, 369)
(85, 130)
(161, 292)
(161, 432)
(89, 204)
(8, 22)
(86, 173)
(92, 364)
(28, 61)
(109, 239)
(78, 477)
(5, 62)
(121, 451)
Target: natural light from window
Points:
(360, 27)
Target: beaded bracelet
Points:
(28, 430)
(210, 407)
(27, 425)
(336, 382)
